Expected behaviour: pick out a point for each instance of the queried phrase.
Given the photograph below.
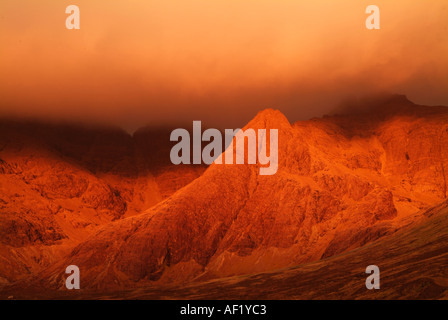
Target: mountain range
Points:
(364, 186)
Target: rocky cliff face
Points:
(343, 181)
(59, 183)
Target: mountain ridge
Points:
(343, 181)
(324, 203)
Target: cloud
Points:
(220, 62)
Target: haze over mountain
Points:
(160, 62)
(114, 206)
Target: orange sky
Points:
(137, 62)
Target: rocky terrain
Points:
(412, 264)
(59, 183)
(347, 186)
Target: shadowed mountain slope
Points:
(60, 182)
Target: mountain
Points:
(344, 183)
(60, 182)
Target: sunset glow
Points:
(156, 62)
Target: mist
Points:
(163, 63)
